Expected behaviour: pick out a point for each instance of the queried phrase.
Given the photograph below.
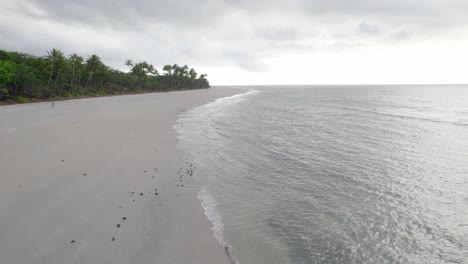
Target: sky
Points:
(242, 42)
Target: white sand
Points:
(45, 203)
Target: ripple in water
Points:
(335, 174)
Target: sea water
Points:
(335, 174)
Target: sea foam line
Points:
(209, 206)
(230, 99)
(208, 203)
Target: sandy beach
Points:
(101, 180)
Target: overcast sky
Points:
(255, 42)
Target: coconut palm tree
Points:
(93, 64)
(192, 74)
(168, 69)
(184, 70)
(56, 63)
(76, 62)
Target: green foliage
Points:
(7, 70)
(20, 99)
(25, 78)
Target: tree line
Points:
(25, 78)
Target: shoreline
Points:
(34, 101)
(99, 181)
(190, 127)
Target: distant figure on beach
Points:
(53, 104)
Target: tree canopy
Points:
(24, 77)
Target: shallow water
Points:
(335, 174)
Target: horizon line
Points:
(350, 84)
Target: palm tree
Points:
(93, 63)
(56, 60)
(168, 69)
(76, 63)
(129, 63)
(184, 71)
(150, 69)
(155, 71)
(192, 74)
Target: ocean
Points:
(334, 174)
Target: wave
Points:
(224, 101)
(209, 206)
(188, 126)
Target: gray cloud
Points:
(212, 33)
(401, 35)
(253, 66)
(368, 29)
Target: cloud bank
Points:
(247, 36)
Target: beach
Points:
(101, 180)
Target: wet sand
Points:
(101, 180)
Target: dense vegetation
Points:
(25, 78)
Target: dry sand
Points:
(95, 181)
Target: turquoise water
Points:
(335, 174)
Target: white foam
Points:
(231, 99)
(209, 206)
(190, 127)
(204, 113)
